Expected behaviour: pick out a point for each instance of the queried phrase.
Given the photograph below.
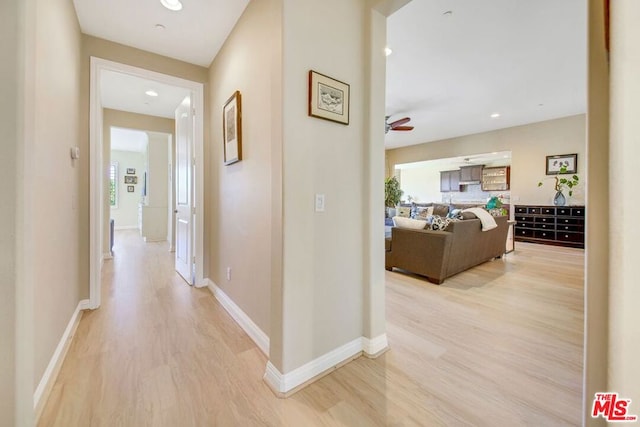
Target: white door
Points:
(184, 191)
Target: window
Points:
(113, 185)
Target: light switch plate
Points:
(319, 202)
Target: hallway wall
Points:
(242, 199)
(126, 214)
(56, 197)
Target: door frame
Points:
(96, 196)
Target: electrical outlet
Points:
(228, 273)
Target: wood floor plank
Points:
(501, 343)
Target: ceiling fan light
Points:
(174, 5)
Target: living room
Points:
(463, 106)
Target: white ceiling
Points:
(524, 59)
(128, 140)
(120, 91)
(194, 34)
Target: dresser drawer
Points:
(571, 237)
(563, 227)
(544, 226)
(524, 218)
(521, 209)
(534, 211)
(544, 234)
(548, 211)
(570, 221)
(577, 211)
(545, 219)
(563, 211)
(525, 224)
(523, 232)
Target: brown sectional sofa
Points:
(441, 254)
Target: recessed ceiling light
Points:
(151, 93)
(387, 51)
(495, 115)
(160, 27)
(174, 5)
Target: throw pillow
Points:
(440, 210)
(414, 224)
(441, 223)
(404, 212)
(423, 213)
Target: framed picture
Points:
(328, 98)
(130, 179)
(131, 171)
(232, 129)
(130, 188)
(554, 163)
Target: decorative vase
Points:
(559, 199)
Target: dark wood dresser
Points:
(551, 225)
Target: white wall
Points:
(126, 214)
(242, 231)
(324, 261)
(624, 292)
(155, 209)
(58, 217)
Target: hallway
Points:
(500, 342)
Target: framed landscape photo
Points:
(130, 188)
(328, 98)
(130, 179)
(131, 171)
(232, 129)
(554, 163)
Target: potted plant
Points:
(392, 195)
(563, 184)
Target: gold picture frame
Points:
(232, 129)
(328, 98)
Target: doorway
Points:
(99, 200)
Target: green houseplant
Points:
(563, 183)
(392, 193)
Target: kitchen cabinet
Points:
(496, 179)
(449, 181)
(471, 173)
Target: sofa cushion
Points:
(440, 210)
(415, 224)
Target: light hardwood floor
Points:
(499, 345)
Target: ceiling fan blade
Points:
(402, 128)
(400, 122)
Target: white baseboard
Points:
(151, 240)
(51, 373)
(374, 346)
(125, 227)
(283, 383)
(255, 333)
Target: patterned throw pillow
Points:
(404, 212)
(439, 223)
(423, 213)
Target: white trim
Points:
(51, 373)
(98, 66)
(125, 227)
(374, 346)
(106, 256)
(255, 333)
(283, 383)
(148, 240)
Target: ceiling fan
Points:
(396, 125)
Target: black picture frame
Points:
(130, 188)
(554, 163)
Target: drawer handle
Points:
(544, 234)
(566, 236)
(566, 228)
